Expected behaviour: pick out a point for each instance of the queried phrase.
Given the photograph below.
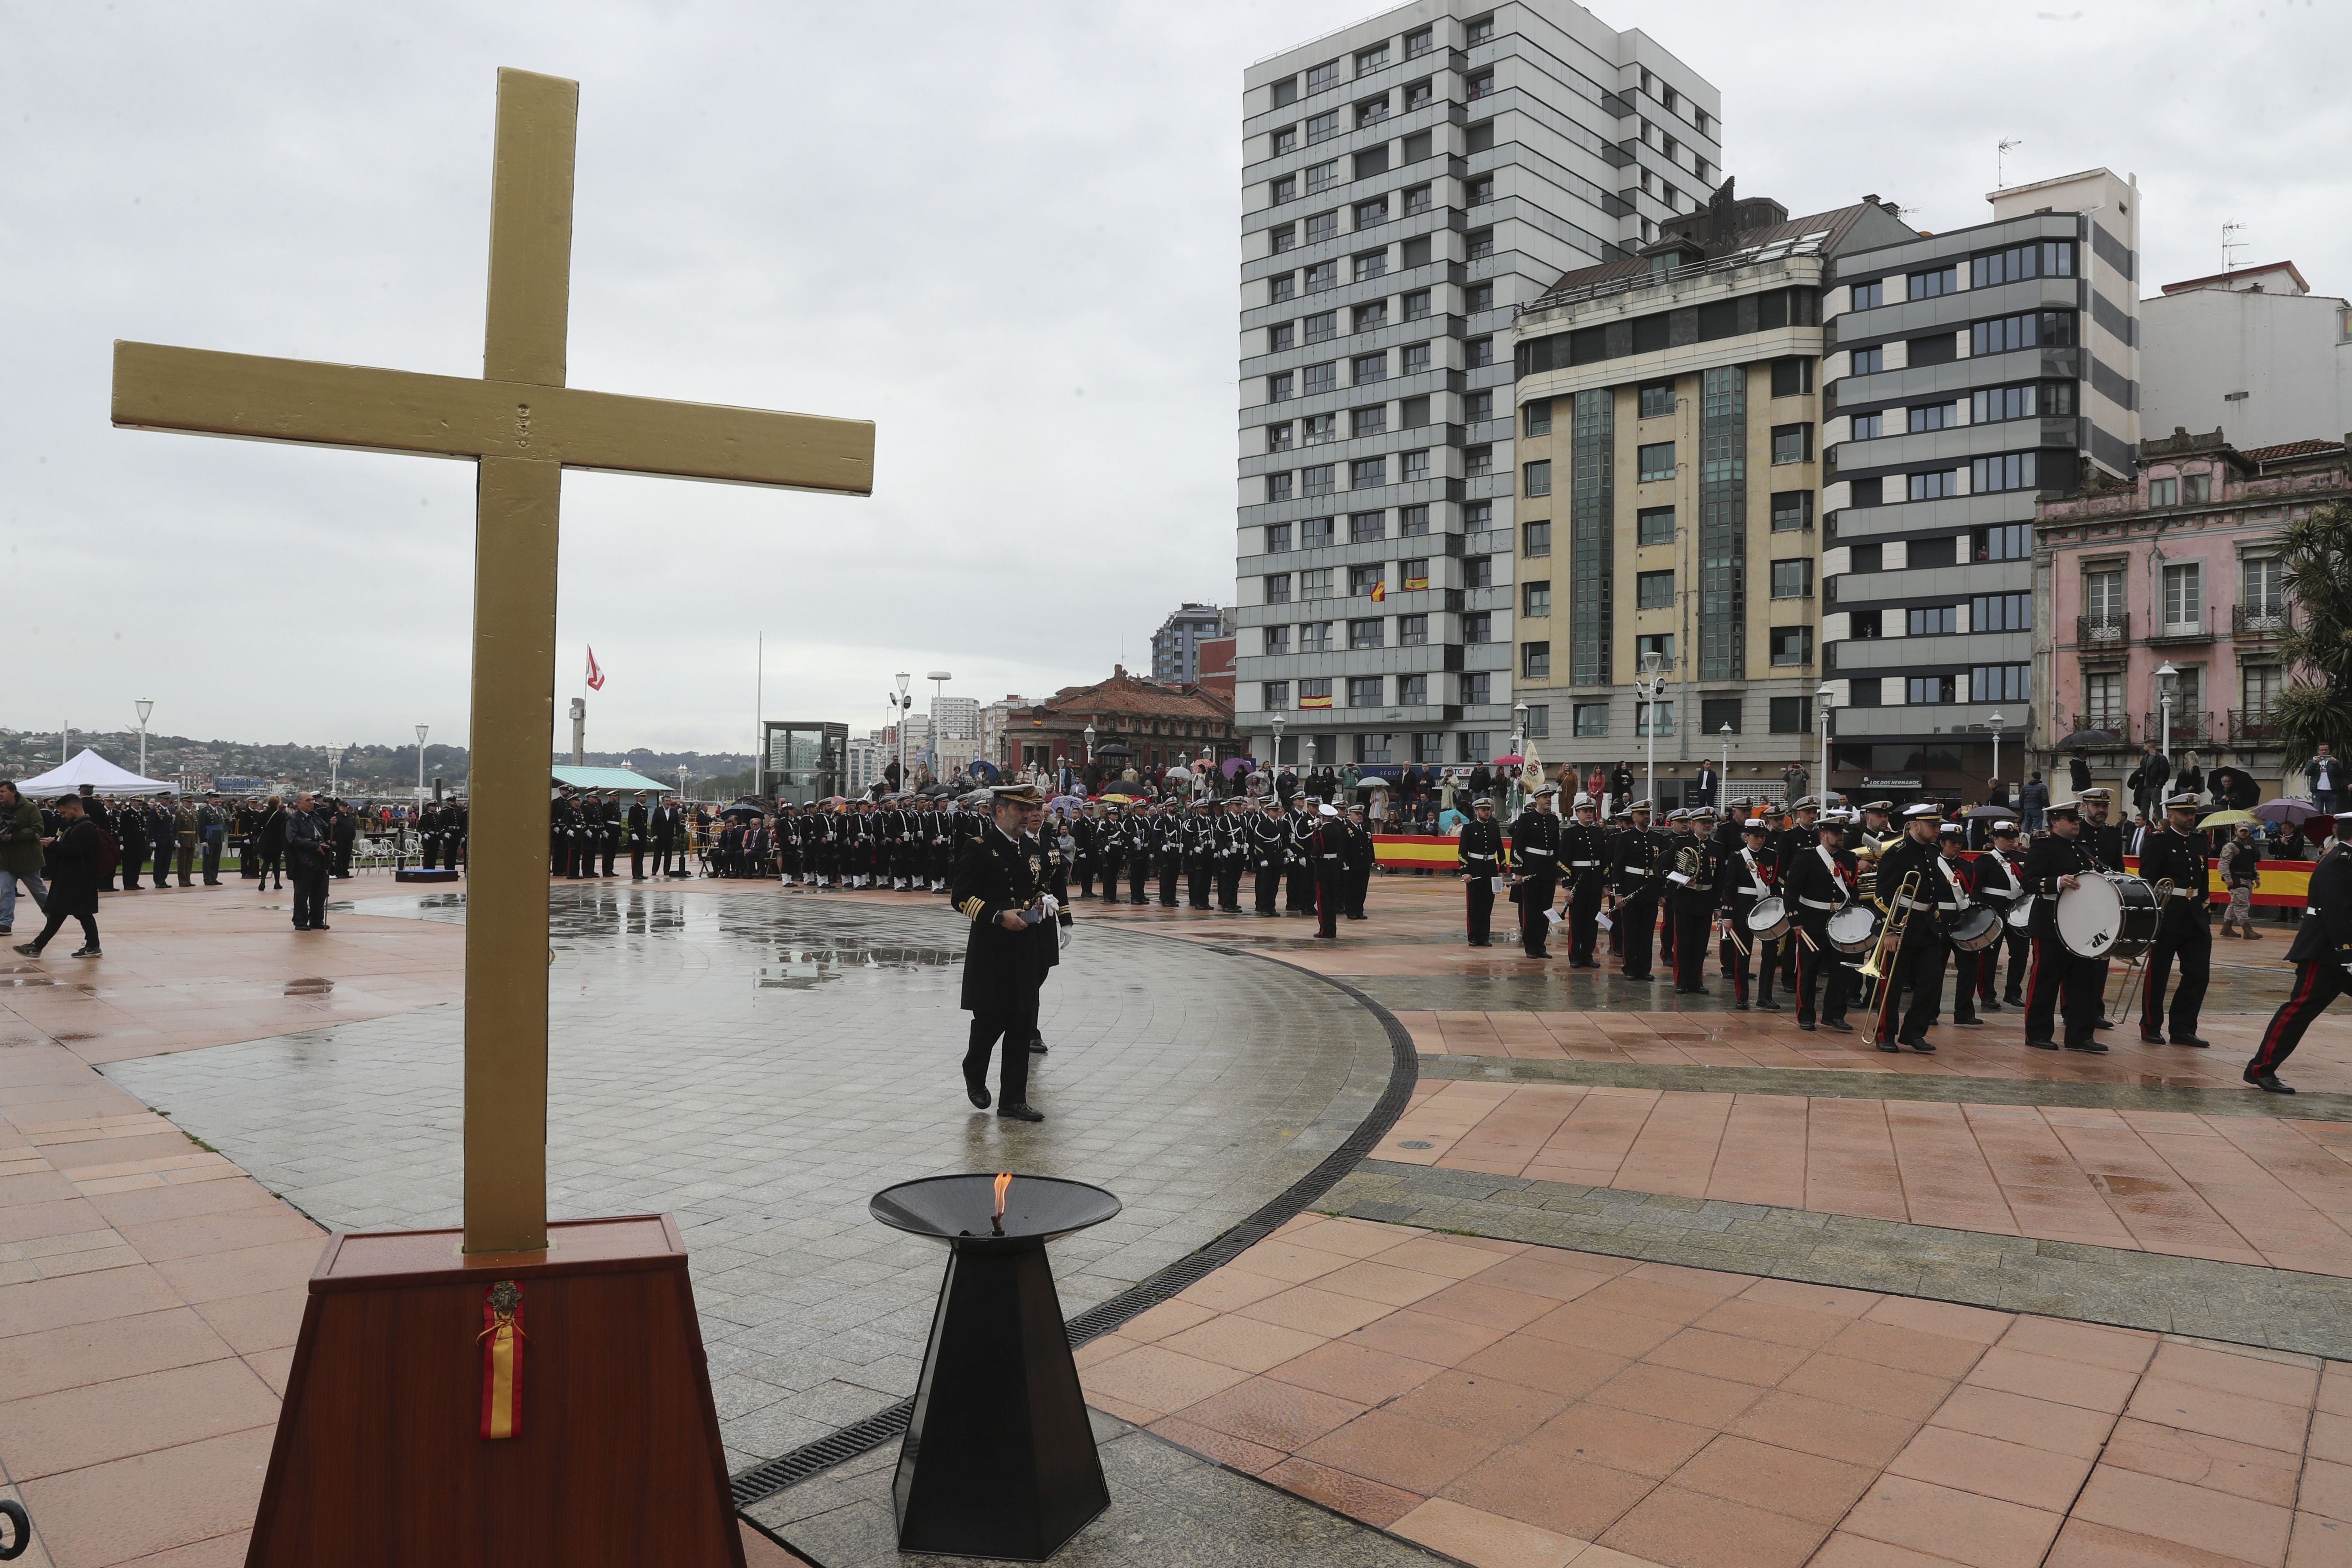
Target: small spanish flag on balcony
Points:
(1379, 591)
(501, 1340)
(1322, 701)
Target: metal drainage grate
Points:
(770, 1477)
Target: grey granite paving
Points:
(1169, 1508)
(1831, 1083)
(2277, 1308)
(759, 1064)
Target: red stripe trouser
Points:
(2315, 985)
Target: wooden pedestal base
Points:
(380, 1459)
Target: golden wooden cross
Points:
(522, 427)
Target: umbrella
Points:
(740, 809)
(2082, 739)
(985, 770)
(1992, 813)
(2286, 813)
(1233, 765)
(1374, 784)
(1116, 749)
(1510, 761)
(1068, 800)
(2228, 820)
(1121, 797)
(1177, 775)
(2233, 786)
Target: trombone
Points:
(1899, 924)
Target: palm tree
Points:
(2317, 706)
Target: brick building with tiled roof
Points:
(1161, 724)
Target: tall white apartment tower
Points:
(1407, 183)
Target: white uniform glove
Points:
(1051, 905)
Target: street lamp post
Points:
(1995, 722)
(1653, 681)
(420, 764)
(1274, 765)
(1519, 750)
(334, 771)
(145, 707)
(1822, 703)
(2166, 676)
(1722, 783)
(906, 705)
(1090, 741)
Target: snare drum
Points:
(2021, 913)
(2108, 915)
(1973, 929)
(1768, 919)
(1853, 928)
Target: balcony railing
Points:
(2187, 729)
(2118, 724)
(2112, 631)
(2257, 729)
(2272, 620)
(2183, 631)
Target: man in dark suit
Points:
(638, 823)
(1703, 787)
(999, 887)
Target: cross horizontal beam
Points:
(203, 392)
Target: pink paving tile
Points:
(2197, 1516)
(1962, 1527)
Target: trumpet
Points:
(1898, 920)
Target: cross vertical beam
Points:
(516, 539)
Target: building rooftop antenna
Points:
(2230, 243)
(2000, 161)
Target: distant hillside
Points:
(363, 768)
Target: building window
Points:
(1314, 636)
(1653, 525)
(1413, 692)
(1653, 590)
(1870, 295)
(1322, 326)
(1793, 443)
(1278, 588)
(1323, 127)
(1274, 695)
(1932, 285)
(1535, 539)
(1321, 226)
(1538, 721)
(2164, 492)
(1315, 693)
(1414, 465)
(1319, 480)
(1283, 190)
(1413, 631)
(1478, 298)
(2000, 613)
(1277, 436)
(2103, 603)
(1371, 421)
(2047, 258)
(1322, 275)
(1319, 378)
(1792, 510)
(1372, 750)
(1322, 76)
(1476, 688)
(1792, 579)
(1477, 514)
(1414, 570)
(1420, 43)
(2034, 329)
(1534, 599)
(2259, 686)
(1931, 689)
(1283, 141)
(1369, 368)
(1279, 387)
(1479, 407)
(1417, 306)
(1862, 624)
(1412, 519)
(1317, 429)
(2184, 598)
(2195, 489)
(1368, 473)
(1278, 486)
(1482, 85)
(1278, 640)
(1285, 92)
(1277, 538)
(1415, 359)
(1369, 633)
(1478, 571)
(1934, 621)
(1482, 352)
(1936, 486)
(1657, 399)
(1661, 644)
(1869, 361)
(1539, 477)
(1472, 747)
(1281, 287)
(1655, 461)
(1866, 426)
(1791, 715)
(1316, 584)
(1591, 719)
(1478, 626)
(1792, 377)
(2010, 541)
(1717, 713)
(1931, 416)
(1418, 95)
(1535, 661)
(1534, 418)
(1282, 237)
(1362, 580)
(2102, 701)
(1371, 112)
(1372, 264)
(1367, 525)
(2000, 683)
(1477, 462)
(1429, 748)
(1413, 413)
(2053, 399)
(1372, 317)
(1315, 533)
(1664, 718)
(2011, 471)
(2263, 591)
(1792, 646)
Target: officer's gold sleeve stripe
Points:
(972, 908)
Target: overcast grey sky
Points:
(1006, 232)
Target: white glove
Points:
(1052, 905)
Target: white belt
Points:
(1546, 853)
(1818, 903)
(1583, 865)
(1759, 891)
(1330, 856)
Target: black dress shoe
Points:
(1806, 1024)
(1770, 1007)
(1921, 1045)
(1890, 1048)
(2012, 1001)
(1739, 1006)
(2105, 1023)
(2191, 1041)
(2148, 1039)
(299, 926)
(2269, 1084)
(2042, 1045)
(1840, 1024)
(1988, 1006)
(1583, 964)
(1970, 1023)
(1021, 1112)
(2094, 1047)
(320, 925)
(1482, 944)
(1036, 1046)
(977, 1092)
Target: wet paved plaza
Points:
(759, 1066)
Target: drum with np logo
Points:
(2108, 915)
(1973, 929)
(1853, 928)
(1768, 919)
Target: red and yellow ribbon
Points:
(501, 1338)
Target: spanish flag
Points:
(1379, 591)
(501, 1341)
(1322, 701)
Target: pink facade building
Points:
(2173, 581)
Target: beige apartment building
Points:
(1670, 480)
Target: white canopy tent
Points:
(102, 776)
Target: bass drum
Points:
(1853, 928)
(1768, 920)
(1973, 929)
(2108, 915)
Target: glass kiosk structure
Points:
(802, 761)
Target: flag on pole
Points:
(1379, 591)
(596, 675)
(1531, 773)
